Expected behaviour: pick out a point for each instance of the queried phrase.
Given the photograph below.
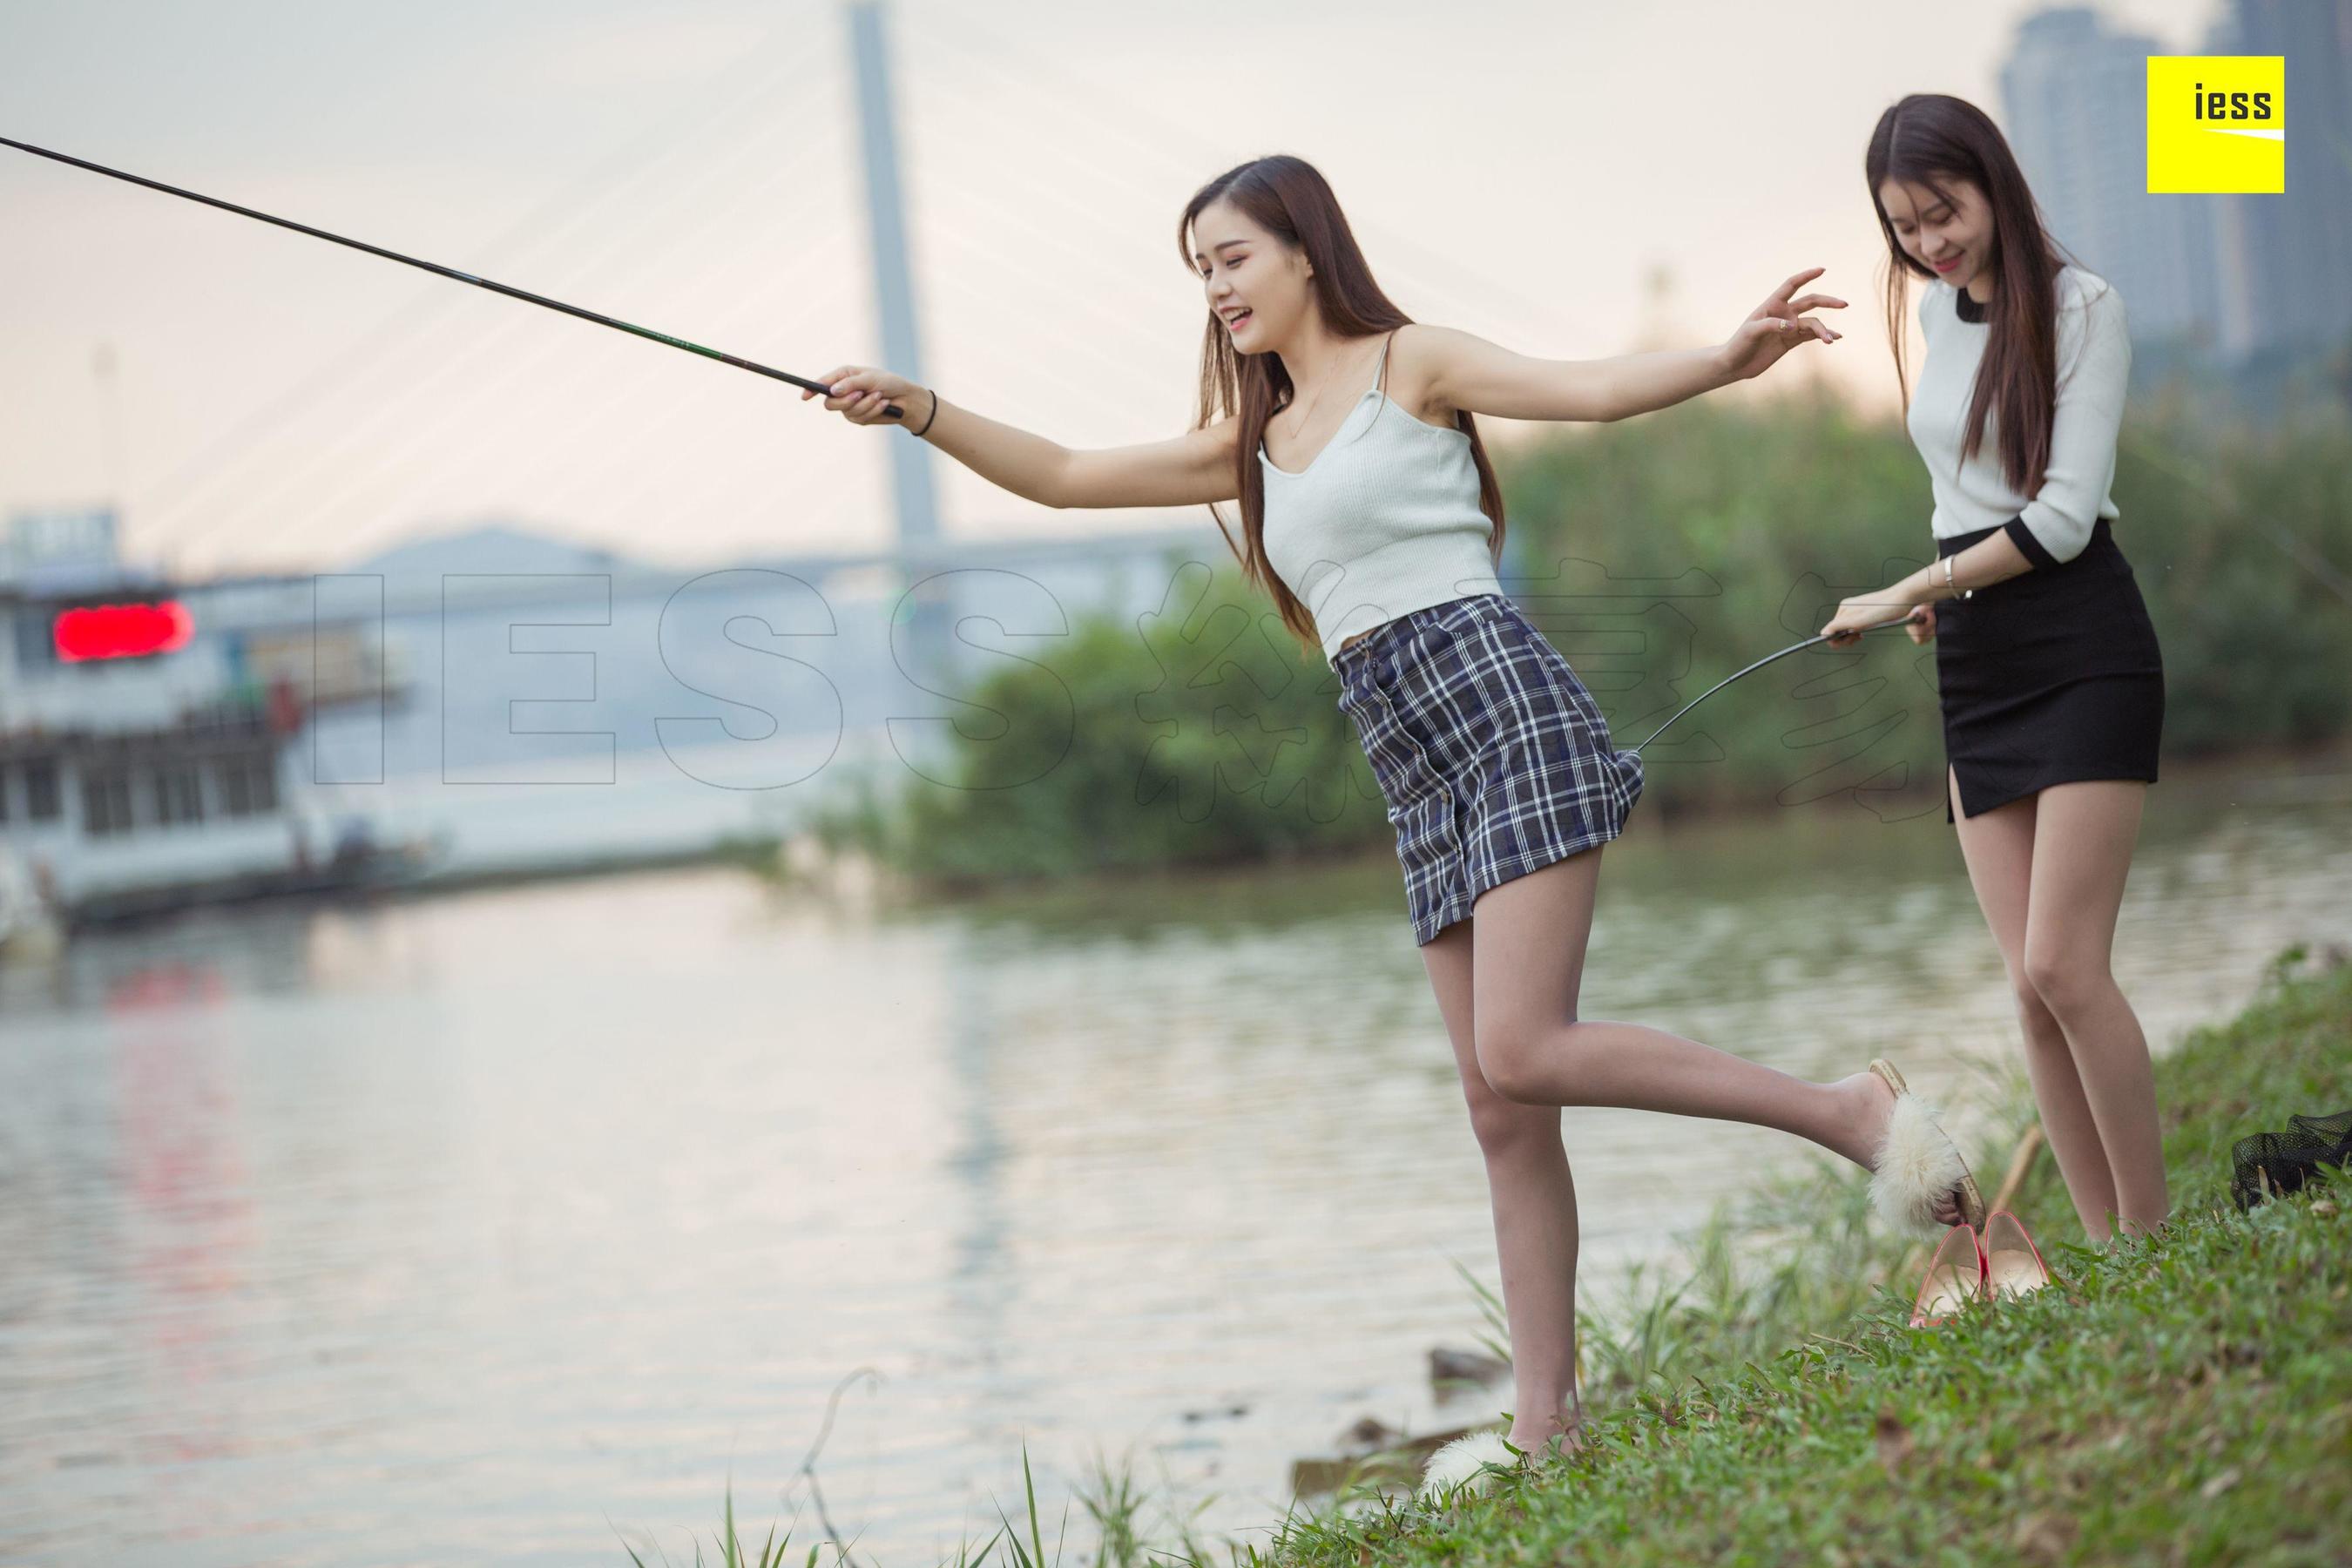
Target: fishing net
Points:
(2272, 1163)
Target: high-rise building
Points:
(2237, 275)
(2285, 258)
(2074, 108)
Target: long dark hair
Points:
(1289, 199)
(1931, 137)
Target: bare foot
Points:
(1553, 1440)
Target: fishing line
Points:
(1817, 636)
(890, 410)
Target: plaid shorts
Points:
(1493, 759)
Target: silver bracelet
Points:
(1957, 592)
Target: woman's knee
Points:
(2063, 980)
(1503, 1126)
(1512, 1058)
(2032, 1011)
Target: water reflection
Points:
(451, 1229)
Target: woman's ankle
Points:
(1566, 1436)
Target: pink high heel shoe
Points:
(1954, 1278)
(2014, 1265)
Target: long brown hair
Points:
(1289, 199)
(1928, 138)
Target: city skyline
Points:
(276, 403)
(2243, 274)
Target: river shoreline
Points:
(2314, 774)
(2319, 774)
(564, 1196)
(1770, 1400)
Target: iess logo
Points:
(2217, 122)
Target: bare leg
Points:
(1530, 935)
(2081, 858)
(1506, 982)
(1998, 846)
(1534, 1198)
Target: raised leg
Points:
(1531, 936)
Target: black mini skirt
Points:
(2050, 677)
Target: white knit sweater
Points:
(2053, 524)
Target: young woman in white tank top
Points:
(1322, 382)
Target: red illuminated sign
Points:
(121, 631)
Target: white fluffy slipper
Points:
(1465, 1460)
(1917, 1163)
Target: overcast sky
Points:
(1519, 171)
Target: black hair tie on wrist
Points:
(935, 414)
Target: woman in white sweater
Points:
(2049, 677)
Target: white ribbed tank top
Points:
(1383, 521)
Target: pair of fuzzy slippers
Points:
(1916, 1165)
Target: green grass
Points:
(2187, 1397)
(2182, 1398)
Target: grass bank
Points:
(2182, 1398)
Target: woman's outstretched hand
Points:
(860, 393)
(1778, 325)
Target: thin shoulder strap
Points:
(1381, 372)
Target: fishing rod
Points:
(1904, 619)
(890, 410)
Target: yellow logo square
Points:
(2217, 122)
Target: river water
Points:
(497, 1226)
